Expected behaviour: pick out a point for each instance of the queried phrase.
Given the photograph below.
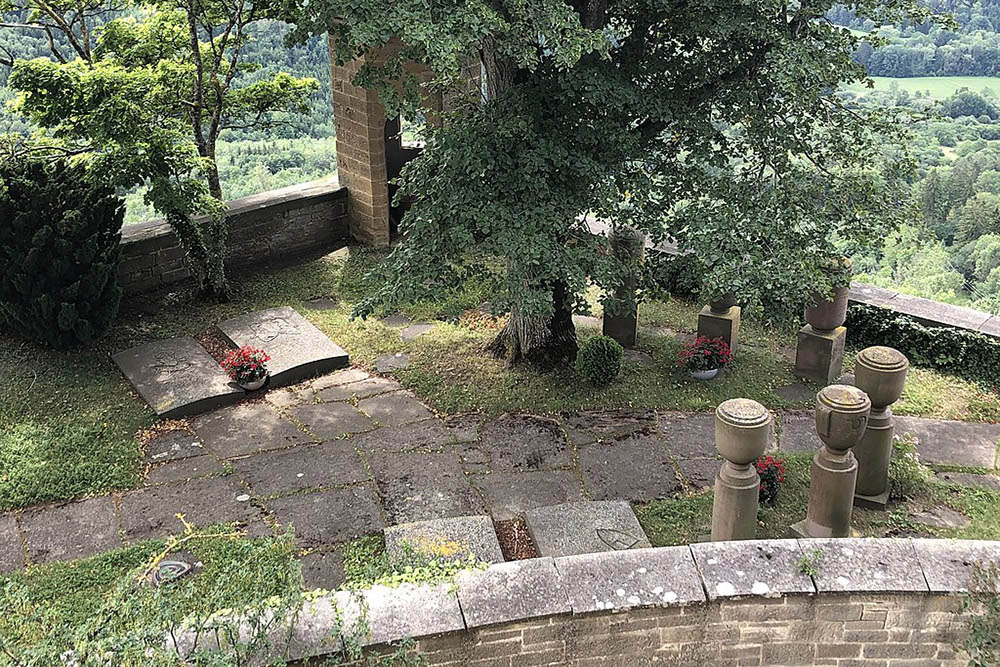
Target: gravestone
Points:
(177, 377)
(585, 527)
(453, 539)
(298, 349)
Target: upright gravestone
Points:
(841, 417)
(819, 354)
(621, 313)
(177, 377)
(881, 373)
(721, 319)
(298, 350)
(742, 429)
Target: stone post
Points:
(721, 319)
(841, 417)
(742, 429)
(881, 373)
(819, 354)
(621, 315)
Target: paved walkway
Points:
(347, 454)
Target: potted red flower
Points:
(247, 366)
(772, 476)
(705, 356)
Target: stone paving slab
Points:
(628, 579)
(451, 539)
(948, 564)
(172, 446)
(394, 409)
(798, 432)
(327, 517)
(518, 443)
(415, 331)
(508, 495)
(586, 527)
(417, 486)
(323, 570)
(427, 435)
(511, 592)
(360, 389)
(329, 421)
(150, 513)
(952, 442)
(636, 469)
(386, 363)
(177, 377)
(766, 568)
(74, 530)
(345, 376)
(969, 479)
(870, 565)
(700, 473)
(689, 436)
(175, 471)
(610, 424)
(298, 349)
(464, 427)
(11, 555)
(247, 428)
(308, 466)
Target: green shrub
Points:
(907, 475)
(600, 360)
(967, 354)
(59, 246)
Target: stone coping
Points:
(926, 311)
(298, 193)
(698, 574)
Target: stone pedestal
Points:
(819, 355)
(742, 428)
(881, 373)
(622, 326)
(841, 418)
(621, 314)
(724, 324)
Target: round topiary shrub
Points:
(600, 360)
(59, 249)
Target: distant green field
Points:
(939, 87)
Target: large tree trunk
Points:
(545, 342)
(204, 242)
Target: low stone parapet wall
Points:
(771, 602)
(263, 228)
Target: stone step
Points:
(585, 527)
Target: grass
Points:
(68, 421)
(685, 519)
(939, 87)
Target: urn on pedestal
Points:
(742, 431)
(881, 373)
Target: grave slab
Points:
(386, 363)
(415, 331)
(152, 512)
(173, 446)
(394, 409)
(177, 377)
(512, 591)
(361, 389)
(451, 539)
(952, 442)
(624, 580)
(323, 569)
(948, 564)
(247, 428)
(866, 565)
(74, 530)
(329, 421)
(509, 495)
(636, 469)
(329, 517)
(298, 350)
(585, 527)
(765, 568)
(518, 443)
(308, 466)
(175, 471)
(11, 555)
(417, 486)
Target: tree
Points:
(980, 215)
(145, 100)
(651, 114)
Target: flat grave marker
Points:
(585, 527)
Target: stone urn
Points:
(826, 312)
(742, 430)
(721, 305)
(841, 416)
(881, 373)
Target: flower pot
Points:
(255, 385)
(705, 375)
(829, 312)
(723, 303)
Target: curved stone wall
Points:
(761, 602)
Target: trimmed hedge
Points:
(967, 354)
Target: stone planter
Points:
(705, 375)
(255, 385)
(830, 312)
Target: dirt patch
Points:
(215, 342)
(515, 542)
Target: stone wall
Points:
(841, 602)
(263, 228)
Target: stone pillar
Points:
(881, 373)
(841, 417)
(721, 319)
(742, 429)
(621, 314)
(819, 354)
